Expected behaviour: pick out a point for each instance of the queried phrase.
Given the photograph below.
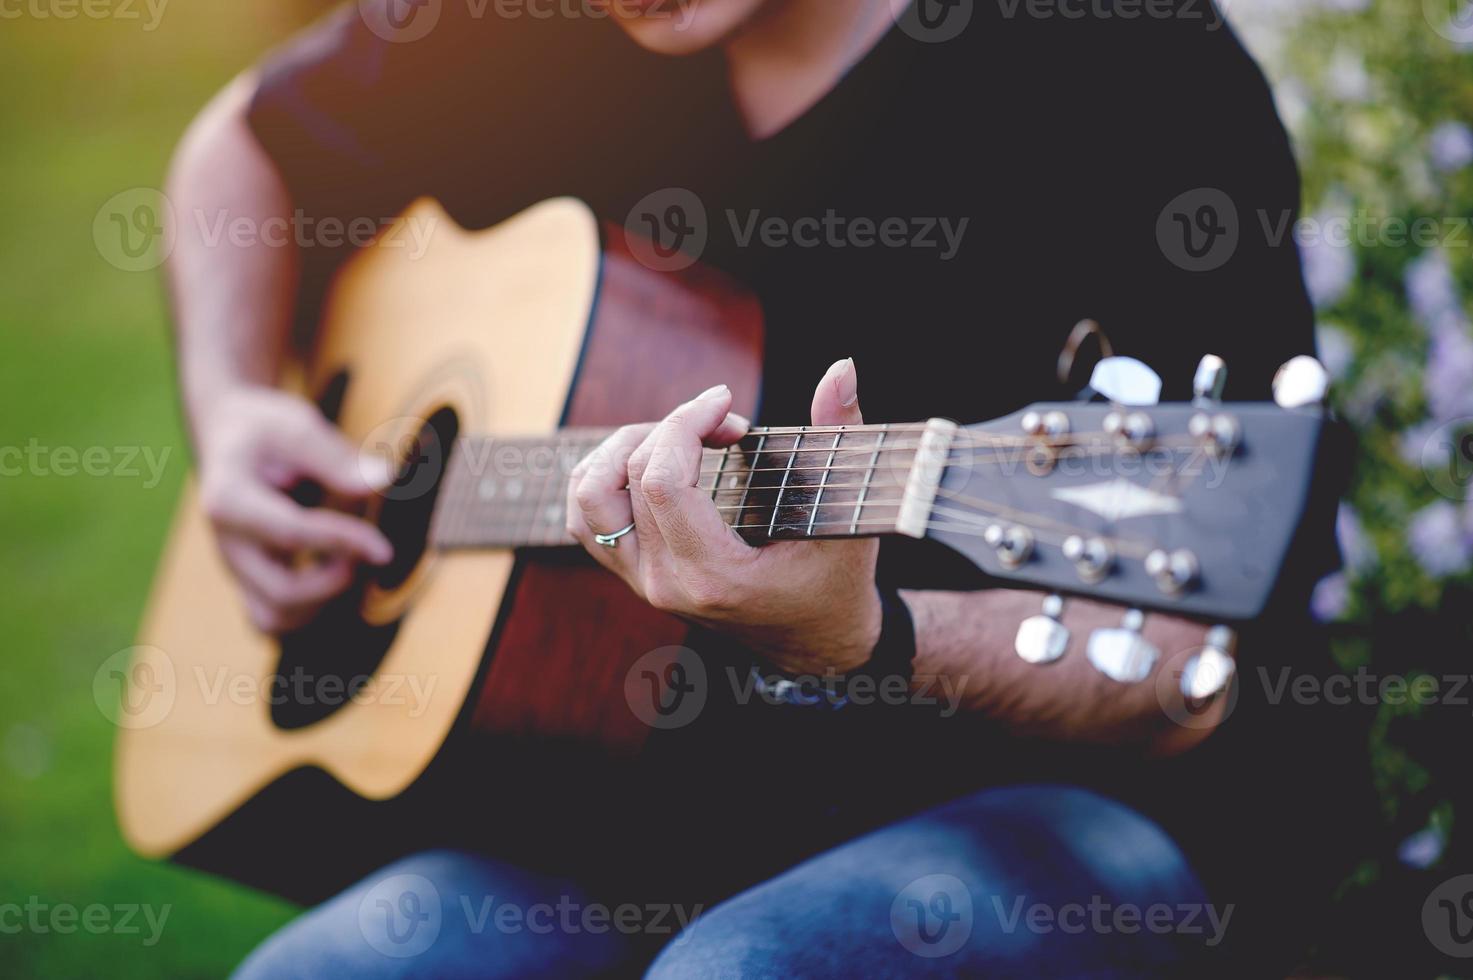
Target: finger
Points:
(667, 470)
(731, 430)
(282, 596)
(284, 585)
(319, 450)
(836, 400)
(598, 498)
(271, 517)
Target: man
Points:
(1022, 158)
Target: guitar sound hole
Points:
(410, 502)
(331, 661)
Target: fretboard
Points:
(775, 484)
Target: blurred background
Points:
(1378, 96)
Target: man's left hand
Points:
(805, 606)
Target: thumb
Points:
(322, 453)
(836, 402)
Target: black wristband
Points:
(873, 681)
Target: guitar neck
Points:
(775, 484)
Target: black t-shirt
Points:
(1028, 162)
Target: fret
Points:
(777, 505)
(721, 469)
(868, 479)
(751, 470)
(822, 480)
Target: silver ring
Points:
(612, 540)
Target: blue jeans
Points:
(1033, 882)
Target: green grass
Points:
(89, 108)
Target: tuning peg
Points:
(1126, 381)
(1133, 429)
(1301, 382)
(1209, 381)
(1092, 557)
(1042, 639)
(1121, 653)
(1174, 571)
(1208, 672)
(1014, 544)
(1219, 433)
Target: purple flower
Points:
(1328, 268)
(1347, 78)
(1331, 597)
(1422, 849)
(1431, 291)
(1357, 550)
(1449, 378)
(1416, 447)
(1451, 146)
(1439, 541)
(1335, 349)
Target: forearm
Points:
(232, 294)
(967, 639)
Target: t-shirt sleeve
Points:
(360, 120)
(335, 109)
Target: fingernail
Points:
(714, 392)
(846, 383)
(740, 421)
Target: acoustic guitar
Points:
(488, 366)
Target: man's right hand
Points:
(254, 446)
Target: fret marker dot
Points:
(487, 489)
(514, 489)
(554, 513)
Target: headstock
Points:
(1181, 507)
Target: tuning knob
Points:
(1092, 557)
(1042, 639)
(1174, 571)
(1121, 653)
(1209, 381)
(1301, 381)
(1208, 673)
(1126, 381)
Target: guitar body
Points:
(523, 328)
